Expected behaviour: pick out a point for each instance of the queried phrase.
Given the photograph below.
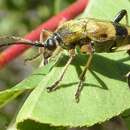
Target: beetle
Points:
(89, 34)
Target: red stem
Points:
(15, 50)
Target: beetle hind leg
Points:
(82, 78)
(87, 48)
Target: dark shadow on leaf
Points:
(124, 59)
(107, 67)
(30, 124)
(104, 86)
(110, 68)
(76, 83)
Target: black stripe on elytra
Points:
(121, 31)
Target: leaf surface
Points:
(28, 84)
(105, 94)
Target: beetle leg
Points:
(85, 48)
(56, 52)
(120, 16)
(54, 86)
(82, 77)
(43, 36)
(128, 78)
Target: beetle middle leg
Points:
(54, 86)
(43, 36)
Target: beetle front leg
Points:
(43, 36)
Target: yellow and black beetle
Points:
(90, 35)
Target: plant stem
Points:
(15, 50)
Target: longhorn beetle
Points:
(91, 35)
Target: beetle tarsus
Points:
(78, 92)
(53, 87)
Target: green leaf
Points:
(105, 93)
(28, 84)
(106, 9)
(3, 121)
(31, 125)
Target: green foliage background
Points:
(24, 15)
(18, 17)
(106, 95)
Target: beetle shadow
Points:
(102, 84)
(110, 68)
(105, 66)
(84, 85)
(124, 59)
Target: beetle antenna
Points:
(11, 40)
(36, 44)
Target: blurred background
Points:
(18, 17)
